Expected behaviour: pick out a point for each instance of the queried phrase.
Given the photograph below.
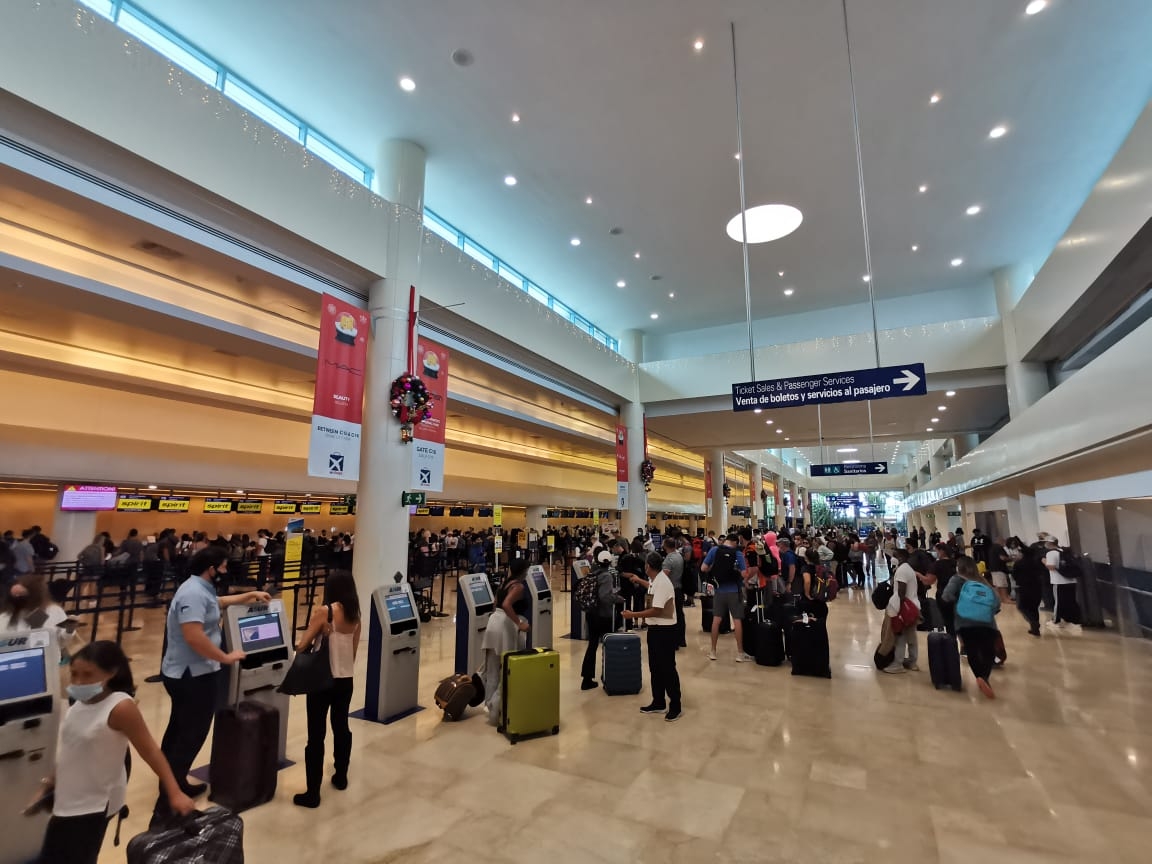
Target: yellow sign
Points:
(499, 546)
(551, 542)
(335, 509)
(313, 509)
(285, 507)
(249, 506)
(422, 511)
(596, 517)
(217, 505)
(497, 516)
(174, 505)
(134, 503)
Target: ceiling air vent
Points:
(159, 250)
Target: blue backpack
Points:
(976, 603)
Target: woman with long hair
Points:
(977, 605)
(89, 784)
(338, 621)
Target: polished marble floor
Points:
(764, 767)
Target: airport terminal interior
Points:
(432, 293)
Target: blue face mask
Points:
(85, 692)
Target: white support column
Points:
(385, 462)
(71, 531)
(1026, 382)
(635, 515)
(719, 521)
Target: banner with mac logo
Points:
(338, 403)
(428, 436)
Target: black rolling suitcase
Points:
(769, 644)
(944, 661)
(622, 673)
(245, 758)
(753, 615)
(809, 644)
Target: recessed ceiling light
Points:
(923, 188)
(950, 393)
(998, 132)
(915, 248)
(941, 407)
(866, 277)
(973, 210)
(588, 200)
(698, 45)
(654, 316)
(780, 273)
(934, 98)
(788, 292)
(515, 117)
(934, 420)
(849, 461)
(636, 256)
(736, 156)
(757, 410)
(509, 180)
(575, 241)
(407, 84)
(787, 438)
(239, 491)
(848, 450)
(152, 486)
(956, 262)
(620, 283)
(671, 295)
(1036, 7)
(769, 422)
(929, 429)
(779, 431)
(766, 223)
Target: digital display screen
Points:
(88, 498)
(399, 607)
(541, 582)
(481, 596)
(260, 632)
(22, 674)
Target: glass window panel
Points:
(146, 32)
(479, 254)
(535, 293)
(511, 275)
(101, 7)
(561, 310)
(441, 229)
(334, 156)
(261, 106)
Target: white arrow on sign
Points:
(909, 379)
(881, 468)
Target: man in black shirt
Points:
(980, 547)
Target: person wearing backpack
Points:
(597, 595)
(1062, 571)
(726, 565)
(905, 582)
(976, 608)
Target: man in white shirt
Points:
(660, 616)
(1066, 611)
(904, 581)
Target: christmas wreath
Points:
(727, 491)
(410, 403)
(647, 473)
(763, 494)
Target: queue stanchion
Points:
(132, 626)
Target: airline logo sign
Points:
(217, 505)
(133, 503)
(173, 504)
(338, 401)
(428, 436)
(286, 507)
(250, 507)
(335, 509)
(310, 509)
(859, 385)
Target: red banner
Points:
(428, 452)
(645, 437)
(622, 454)
(707, 478)
(338, 402)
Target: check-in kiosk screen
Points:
(543, 589)
(482, 597)
(22, 675)
(400, 613)
(260, 632)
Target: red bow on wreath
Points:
(647, 473)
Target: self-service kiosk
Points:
(262, 632)
(540, 610)
(393, 654)
(29, 722)
(580, 569)
(474, 604)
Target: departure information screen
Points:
(22, 674)
(399, 607)
(260, 632)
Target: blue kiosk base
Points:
(362, 715)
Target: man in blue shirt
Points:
(726, 565)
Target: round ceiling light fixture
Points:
(788, 292)
(950, 393)
(509, 180)
(620, 283)
(998, 132)
(407, 84)
(766, 223)
(956, 262)
(515, 117)
(654, 316)
(848, 450)
(1036, 7)
(698, 45)
(575, 241)
(973, 210)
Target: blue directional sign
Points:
(856, 386)
(852, 469)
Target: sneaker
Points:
(673, 716)
(712, 655)
(1074, 629)
(985, 688)
(653, 709)
(893, 670)
(1034, 631)
(911, 667)
(744, 658)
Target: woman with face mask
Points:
(90, 781)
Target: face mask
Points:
(85, 692)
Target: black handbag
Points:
(311, 670)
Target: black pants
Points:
(331, 706)
(1028, 605)
(662, 666)
(1067, 607)
(980, 646)
(597, 627)
(194, 704)
(681, 631)
(74, 839)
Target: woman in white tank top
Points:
(338, 621)
(90, 781)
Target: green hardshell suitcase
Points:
(530, 693)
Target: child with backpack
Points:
(976, 607)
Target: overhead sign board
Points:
(852, 469)
(250, 507)
(312, 509)
(335, 509)
(137, 503)
(286, 507)
(173, 504)
(858, 385)
(217, 505)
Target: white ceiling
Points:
(617, 105)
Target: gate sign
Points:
(856, 386)
(853, 469)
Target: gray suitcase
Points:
(622, 672)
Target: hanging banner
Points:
(428, 436)
(621, 454)
(338, 403)
(497, 515)
(294, 546)
(622, 495)
(708, 488)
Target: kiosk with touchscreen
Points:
(540, 608)
(474, 605)
(393, 654)
(258, 630)
(29, 717)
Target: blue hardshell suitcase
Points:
(622, 672)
